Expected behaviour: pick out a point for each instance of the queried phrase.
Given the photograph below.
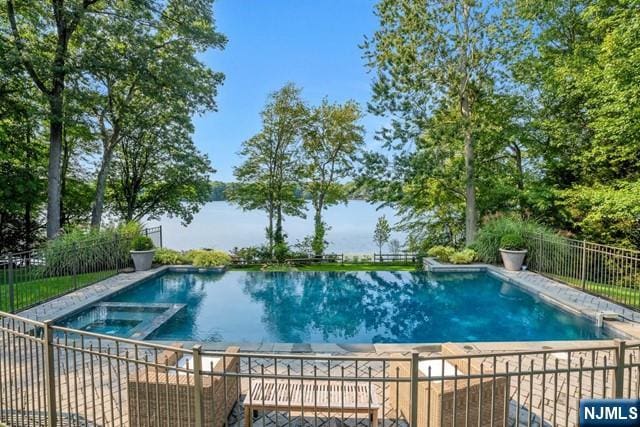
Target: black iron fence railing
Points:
(606, 271)
(32, 277)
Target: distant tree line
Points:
(220, 189)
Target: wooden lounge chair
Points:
(161, 396)
(311, 398)
(486, 397)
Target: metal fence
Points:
(155, 233)
(31, 277)
(403, 257)
(57, 376)
(607, 271)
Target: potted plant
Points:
(513, 251)
(142, 252)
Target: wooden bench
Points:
(313, 398)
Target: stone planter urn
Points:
(513, 259)
(142, 260)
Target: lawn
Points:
(28, 293)
(332, 267)
(625, 295)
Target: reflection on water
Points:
(354, 307)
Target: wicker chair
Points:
(486, 396)
(160, 396)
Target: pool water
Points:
(354, 307)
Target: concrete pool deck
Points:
(565, 297)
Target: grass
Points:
(28, 293)
(623, 295)
(331, 267)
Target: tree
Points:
(435, 64)
(395, 246)
(582, 71)
(267, 180)
(42, 47)
(23, 152)
(126, 64)
(157, 170)
(331, 140)
(382, 232)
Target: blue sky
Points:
(313, 43)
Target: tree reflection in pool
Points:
(354, 307)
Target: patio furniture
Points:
(161, 396)
(315, 398)
(482, 397)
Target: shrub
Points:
(130, 230)
(141, 243)
(251, 254)
(465, 256)
(512, 242)
(487, 242)
(210, 258)
(281, 251)
(79, 250)
(441, 253)
(166, 256)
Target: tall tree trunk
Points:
(64, 168)
(318, 229)
(517, 155)
(469, 182)
(465, 109)
(318, 233)
(101, 185)
(55, 157)
(270, 231)
(279, 237)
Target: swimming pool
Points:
(350, 307)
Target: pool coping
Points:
(558, 294)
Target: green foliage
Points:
(441, 253)
(466, 256)
(281, 251)
(252, 254)
(604, 213)
(209, 258)
(165, 256)
(141, 243)
(331, 138)
(272, 167)
(440, 155)
(488, 240)
(513, 242)
(130, 229)
(82, 251)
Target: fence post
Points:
(197, 385)
(619, 380)
(116, 250)
(413, 422)
(12, 295)
(76, 257)
(583, 272)
(160, 236)
(49, 375)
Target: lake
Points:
(222, 225)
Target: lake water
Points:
(224, 226)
